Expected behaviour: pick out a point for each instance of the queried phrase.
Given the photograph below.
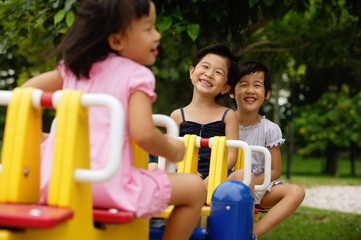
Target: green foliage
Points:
(187, 26)
(313, 44)
(29, 32)
(193, 31)
(333, 119)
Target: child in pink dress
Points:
(104, 52)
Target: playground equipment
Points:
(227, 207)
(69, 213)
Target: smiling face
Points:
(249, 92)
(209, 76)
(140, 41)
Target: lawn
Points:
(309, 223)
(307, 172)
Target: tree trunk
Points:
(276, 107)
(331, 159)
(352, 159)
(290, 150)
(290, 134)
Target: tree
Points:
(29, 30)
(187, 26)
(286, 35)
(330, 125)
(31, 27)
(318, 41)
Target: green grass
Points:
(310, 223)
(307, 172)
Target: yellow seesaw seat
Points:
(19, 179)
(69, 213)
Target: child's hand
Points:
(44, 136)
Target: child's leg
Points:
(188, 194)
(238, 176)
(284, 200)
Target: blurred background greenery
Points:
(313, 48)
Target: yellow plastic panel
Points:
(240, 160)
(189, 164)
(140, 157)
(218, 165)
(20, 177)
(138, 229)
(71, 151)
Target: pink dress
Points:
(146, 193)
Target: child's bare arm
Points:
(146, 135)
(232, 133)
(177, 117)
(49, 81)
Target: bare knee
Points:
(239, 176)
(198, 190)
(298, 193)
(199, 186)
(187, 189)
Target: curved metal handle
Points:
(267, 167)
(115, 139)
(247, 154)
(247, 176)
(173, 131)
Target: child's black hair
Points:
(253, 67)
(220, 49)
(87, 40)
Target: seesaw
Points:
(69, 213)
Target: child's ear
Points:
(268, 95)
(115, 42)
(191, 70)
(226, 89)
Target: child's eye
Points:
(150, 27)
(219, 72)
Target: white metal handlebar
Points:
(247, 158)
(116, 139)
(267, 167)
(116, 130)
(237, 144)
(173, 131)
(115, 136)
(247, 149)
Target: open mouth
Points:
(250, 100)
(206, 83)
(154, 52)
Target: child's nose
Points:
(209, 73)
(250, 89)
(157, 35)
